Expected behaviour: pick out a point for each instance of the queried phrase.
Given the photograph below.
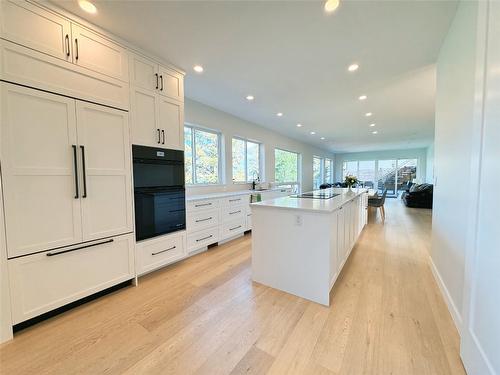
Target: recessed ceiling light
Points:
(299, 125)
(362, 97)
(353, 67)
(374, 132)
(87, 6)
(250, 97)
(331, 5)
(198, 68)
(372, 125)
(312, 133)
(368, 114)
(322, 138)
(279, 114)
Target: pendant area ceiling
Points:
(293, 58)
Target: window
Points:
(317, 171)
(328, 178)
(350, 168)
(246, 160)
(286, 166)
(202, 156)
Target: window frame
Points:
(219, 135)
(299, 170)
(247, 178)
(330, 161)
(321, 171)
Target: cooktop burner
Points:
(316, 195)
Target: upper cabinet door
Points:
(144, 113)
(38, 144)
(171, 123)
(97, 53)
(171, 83)
(143, 73)
(104, 151)
(36, 28)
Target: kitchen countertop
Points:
(222, 194)
(312, 204)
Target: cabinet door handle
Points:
(77, 53)
(84, 172)
(161, 80)
(156, 74)
(79, 248)
(67, 45)
(75, 164)
(204, 238)
(202, 205)
(163, 251)
(159, 139)
(163, 136)
(235, 212)
(239, 226)
(235, 200)
(200, 220)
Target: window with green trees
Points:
(286, 166)
(202, 156)
(246, 160)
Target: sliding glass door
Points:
(386, 174)
(406, 172)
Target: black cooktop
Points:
(316, 195)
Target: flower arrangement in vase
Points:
(350, 181)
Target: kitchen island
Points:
(300, 244)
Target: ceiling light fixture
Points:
(279, 114)
(299, 125)
(198, 68)
(372, 125)
(312, 133)
(322, 138)
(368, 114)
(353, 67)
(362, 97)
(250, 97)
(331, 5)
(374, 132)
(87, 6)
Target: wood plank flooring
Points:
(205, 316)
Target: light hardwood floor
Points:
(205, 316)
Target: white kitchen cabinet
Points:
(170, 83)
(233, 228)
(160, 251)
(145, 127)
(202, 219)
(202, 238)
(171, 123)
(341, 245)
(143, 73)
(104, 147)
(35, 27)
(95, 52)
(44, 281)
(38, 150)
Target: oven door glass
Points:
(159, 211)
(155, 174)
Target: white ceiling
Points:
(293, 58)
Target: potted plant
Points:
(350, 181)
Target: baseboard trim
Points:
(452, 308)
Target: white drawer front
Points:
(45, 281)
(201, 219)
(235, 200)
(233, 228)
(204, 204)
(158, 252)
(202, 238)
(249, 221)
(234, 212)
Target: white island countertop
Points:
(223, 194)
(312, 204)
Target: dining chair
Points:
(378, 202)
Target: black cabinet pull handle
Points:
(156, 74)
(163, 251)
(163, 136)
(84, 173)
(239, 226)
(77, 52)
(202, 205)
(79, 248)
(204, 238)
(75, 164)
(67, 44)
(235, 200)
(234, 212)
(161, 79)
(159, 139)
(200, 220)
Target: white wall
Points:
(199, 114)
(429, 173)
(452, 155)
(417, 153)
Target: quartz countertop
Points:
(312, 204)
(223, 194)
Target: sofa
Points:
(418, 196)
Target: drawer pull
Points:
(239, 226)
(204, 238)
(159, 252)
(208, 218)
(235, 200)
(235, 212)
(203, 205)
(79, 248)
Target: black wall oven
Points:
(159, 194)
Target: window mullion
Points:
(193, 142)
